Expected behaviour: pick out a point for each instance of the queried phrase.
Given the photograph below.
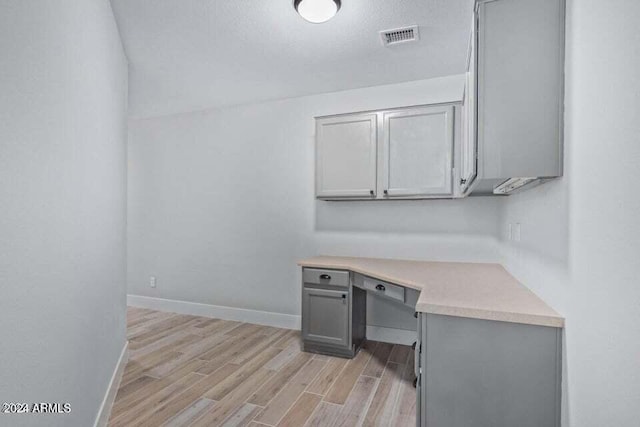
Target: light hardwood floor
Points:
(195, 371)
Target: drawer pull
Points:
(381, 288)
(325, 277)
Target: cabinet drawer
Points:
(383, 288)
(325, 277)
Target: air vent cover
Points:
(400, 35)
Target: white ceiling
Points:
(188, 55)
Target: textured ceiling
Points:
(188, 55)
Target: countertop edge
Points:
(498, 316)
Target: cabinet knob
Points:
(463, 181)
(325, 277)
(381, 288)
(386, 192)
(413, 346)
(371, 192)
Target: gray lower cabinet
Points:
(326, 316)
(481, 373)
(469, 372)
(333, 313)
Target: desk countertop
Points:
(473, 290)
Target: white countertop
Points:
(478, 291)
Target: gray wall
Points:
(580, 238)
(62, 205)
(221, 203)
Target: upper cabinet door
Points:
(346, 156)
(469, 147)
(418, 152)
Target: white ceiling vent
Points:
(400, 35)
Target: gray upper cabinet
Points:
(346, 148)
(519, 53)
(403, 153)
(506, 135)
(418, 152)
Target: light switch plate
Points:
(516, 232)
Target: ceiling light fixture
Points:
(317, 11)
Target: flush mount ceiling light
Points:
(317, 11)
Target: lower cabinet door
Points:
(325, 316)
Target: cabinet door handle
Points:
(381, 288)
(325, 277)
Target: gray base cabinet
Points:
(480, 373)
(469, 372)
(333, 313)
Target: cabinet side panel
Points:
(358, 316)
(482, 373)
(520, 84)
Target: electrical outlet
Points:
(152, 281)
(516, 232)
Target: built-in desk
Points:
(488, 350)
(471, 290)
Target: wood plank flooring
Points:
(196, 371)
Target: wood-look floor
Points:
(195, 371)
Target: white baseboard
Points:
(391, 335)
(107, 403)
(278, 320)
